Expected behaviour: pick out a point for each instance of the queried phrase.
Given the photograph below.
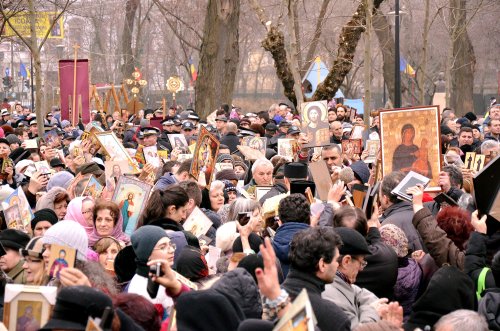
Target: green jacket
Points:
(17, 274)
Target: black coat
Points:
(329, 315)
(475, 259)
(449, 290)
(381, 272)
(231, 140)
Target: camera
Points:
(155, 269)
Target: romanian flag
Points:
(406, 68)
(192, 69)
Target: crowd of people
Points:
(419, 264)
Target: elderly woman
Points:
(81, 210)
(248, 209)
(108, 222)
(34, 267)
(216, 195)
(56, 199)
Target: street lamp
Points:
(397, 69)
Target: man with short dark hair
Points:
(451, 181)
(294, 215)
(168, 179)
(398, 212)
(465, 136)
(195, 196)
(494, 127)
(332, 155)
(313, 264)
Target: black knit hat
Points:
(44, 214)
(14, 239)
(145, 239)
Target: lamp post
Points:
(397, 71)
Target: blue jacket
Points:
(165, 181)
(282, 240)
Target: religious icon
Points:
(131, 196)
(257, 143)
(60, 257)
(205, 155)
(315, 124)
(410, 141)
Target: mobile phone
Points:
(243, 218)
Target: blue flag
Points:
(23, 71)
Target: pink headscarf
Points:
(117, 233)
(74, 213)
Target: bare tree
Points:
(219, 56)
(34, 45)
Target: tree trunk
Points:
(348, 40)
(386, 42)
(368, 63)
(128, 30)
(219, 56)
(463, 66)
(293, 53)
(274, 43)
(36, 70)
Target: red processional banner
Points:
(67, 77)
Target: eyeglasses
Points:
(363, 263)
(165, 246)
(87, 212)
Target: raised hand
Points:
(267, 278)
(479, 224)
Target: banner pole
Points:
(75, 113)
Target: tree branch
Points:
(164, 12)
(348, 40)
(317, 34)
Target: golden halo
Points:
(321, 105)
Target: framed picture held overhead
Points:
(411, 141)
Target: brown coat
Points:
(440, 247)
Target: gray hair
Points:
(217, 185)
(241, 205)
(488, 144)
(462, 320)
(273, 107)
(261, 162)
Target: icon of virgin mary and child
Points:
(409, 157)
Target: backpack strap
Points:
(481, 282)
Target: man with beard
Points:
(341, 113)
